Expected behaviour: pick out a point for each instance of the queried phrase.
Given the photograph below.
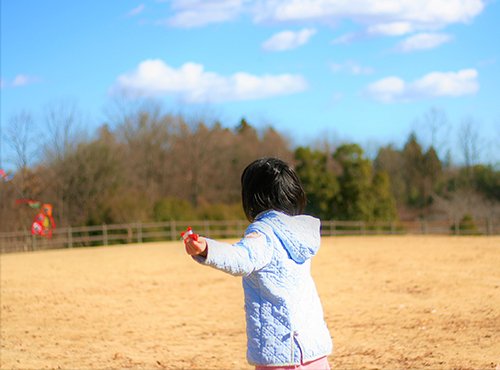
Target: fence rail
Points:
(84, 236)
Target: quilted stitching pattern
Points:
(296, 233)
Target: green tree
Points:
(391, 161)
(487, 181)
(413, 170)
(431, 176)
(319, 181)
(363, 195)
(384, 204)
(353, 201)
(482, 179)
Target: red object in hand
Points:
(189, 234)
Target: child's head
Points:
(270, 183)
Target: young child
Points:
(284, 316)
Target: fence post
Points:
(105, 234)
(129, 234)
(173, 230)
(139, 232)
(424, 227)
(33, 242)
(26, 240)
(70, 237)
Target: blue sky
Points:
(367, 71)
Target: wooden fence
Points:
(84, 236)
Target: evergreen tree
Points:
(391, 161)
(319, 181)
(362, 195)
(353, 201)
(384, 204)
(432, 173)
(413, 172)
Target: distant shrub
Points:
(468, 226)
(170, 209)
(221, 211)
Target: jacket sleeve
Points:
(248, 255)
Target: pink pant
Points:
(319, 364)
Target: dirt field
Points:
(390, 302)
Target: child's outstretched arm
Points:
(250, 254)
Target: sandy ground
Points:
(408, 302)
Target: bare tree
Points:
(436, 127)
(464, 201)
(469, 142)
(63, 132)
(274, 144)
(491, 154)
(146, 135)
(63, 129)
(327, 141)
(22, 137)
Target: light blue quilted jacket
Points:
(284, 317)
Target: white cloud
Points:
(459, 83)
(197, 13)
(379, 16)
(423, 41)
(19, 80)
(346, 38)
(376, 17)
(351, 67)
(434, 84)
(193, 84)
(387, 90)
(287, 40)
(136, 11)
(391, 29)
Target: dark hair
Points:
(270, 183)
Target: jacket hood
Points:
(300, 235)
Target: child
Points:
(284, 317)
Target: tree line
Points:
(147, 165)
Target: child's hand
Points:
(195, 247)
